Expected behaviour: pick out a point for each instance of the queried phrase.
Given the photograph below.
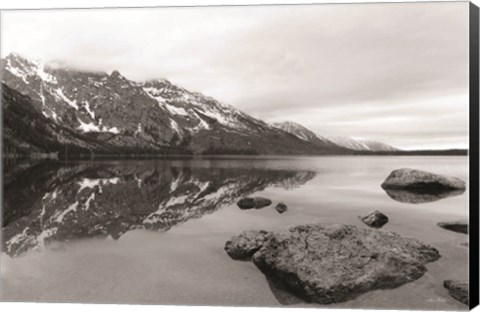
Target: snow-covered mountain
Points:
(67, 111)
(345, 142)
(116, 115)
(363, 145)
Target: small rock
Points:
(243, 246)
(246, 203)
(456, 226)
(376, 219)
(421, 181)
(250, 202)
(327, 263)
(261, 202)
(457, 289)
(281, 207)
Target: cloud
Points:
(369, 70)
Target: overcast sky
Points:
(396, 73)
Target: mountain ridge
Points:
(96, 112)
(155, 115)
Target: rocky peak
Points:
(17, 60)
(157, 83)
(116, 75)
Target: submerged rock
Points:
(253, 202)
(412, 197)
(421, 182)
(456, 226)
(457, 289)
(333, 263)
(281, 207)
(376, 219)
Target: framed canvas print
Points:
(293, 155)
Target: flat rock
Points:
(457, 289)
(281, 207)
(421, 182)
(253, 202)
(327, 263)
(456, 226)
(375, 219)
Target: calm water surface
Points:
(152, 232)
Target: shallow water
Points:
(152, 232)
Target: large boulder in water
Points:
(421, 182)
(456, 226)
(253, 202)
(458, 290)
(334, 263)
(375, 219)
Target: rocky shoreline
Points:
(331, 263)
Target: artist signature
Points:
(436, 299)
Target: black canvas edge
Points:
(474, 156)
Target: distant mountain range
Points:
(363, 145)
(66, 111)
(318, 140)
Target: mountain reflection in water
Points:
(50, 202)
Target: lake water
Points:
(153, 232)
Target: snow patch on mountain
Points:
(202, 124)
(88, 127)
(220, 116)
(46, 77)
(43, 236)
(16, 71)
(90, 112)
(89, 199)
(91, 127)
(59, 93)
(139, 129)
(92, 183)
(71, 208)
(176, 200)
(155, 94)
(174, 126)
(176, 110)
(53, 195)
